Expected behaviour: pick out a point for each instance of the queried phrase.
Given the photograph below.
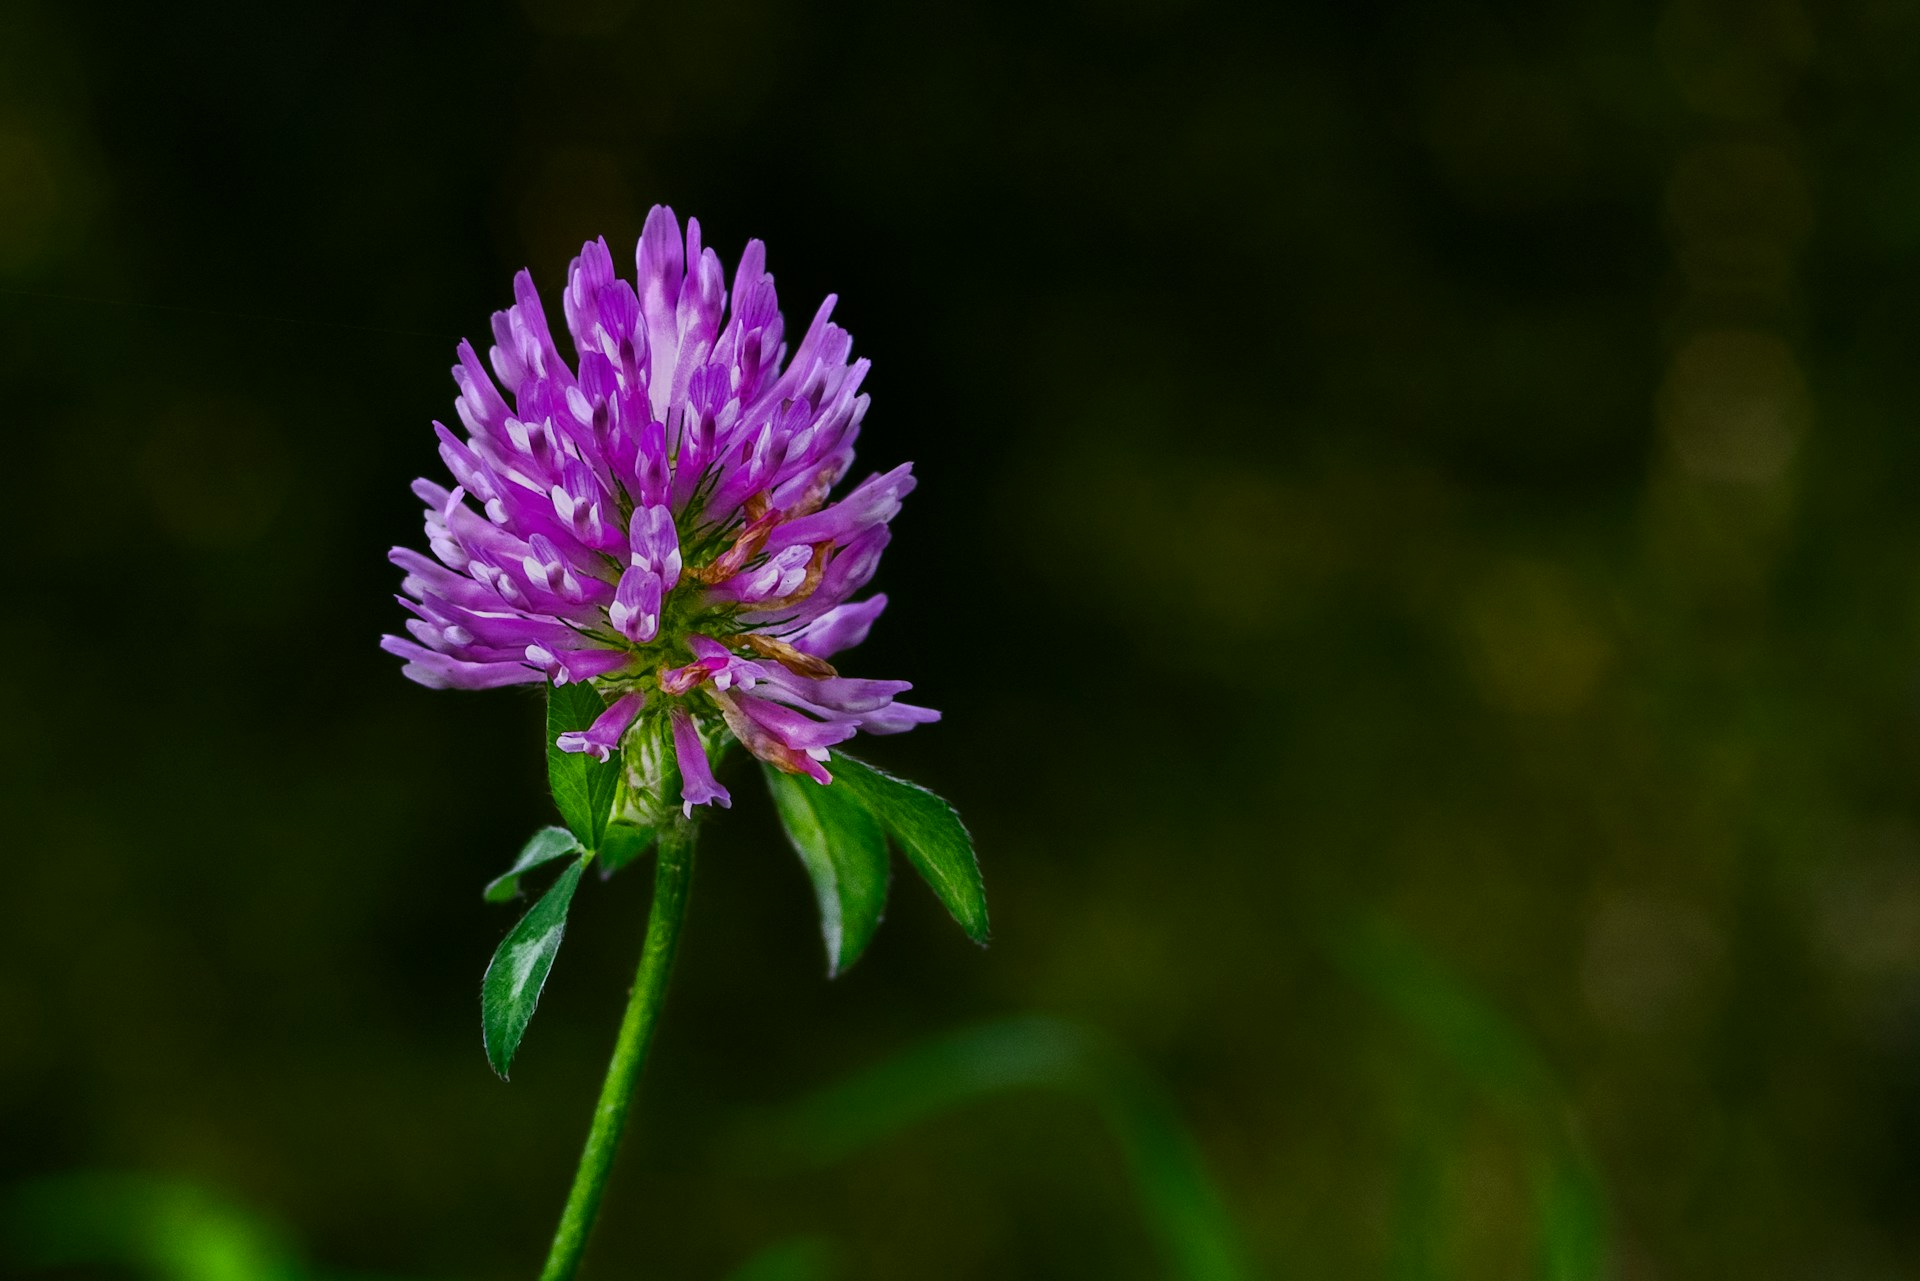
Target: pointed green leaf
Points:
(511, 988)
(548, 844)
(845, 853)
(928, 832)
(583, 786)
(622, 843)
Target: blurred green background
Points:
(1416, 546)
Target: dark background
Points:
(1416, 545)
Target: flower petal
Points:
(697, 785)
(655, 544)
(841, 627)
(635, 612)
(437, 671)
(602, 738)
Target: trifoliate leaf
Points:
(511, 988)
(928, 832)
(845, 853)
(548, 843)
(622, 843)
(583, 786)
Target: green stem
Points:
(673, 871)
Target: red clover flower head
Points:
(655, 520)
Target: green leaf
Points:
(928, 832)
(583, 787)
(548, 844)
(511, 988)
(623, 843)
(845, 853)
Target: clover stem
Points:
(672, 874)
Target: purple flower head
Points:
(656, 517)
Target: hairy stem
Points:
(673, 871)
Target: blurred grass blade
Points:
(518, 972)
(928, 832)
(1571, 1210)
(583, 786)
(1182, 1206)
(547, 844)
(1417, 1234)
(149, 1227)
(845, 853)
(1466, 1028)
(798, 1259)
(1496, 1057)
